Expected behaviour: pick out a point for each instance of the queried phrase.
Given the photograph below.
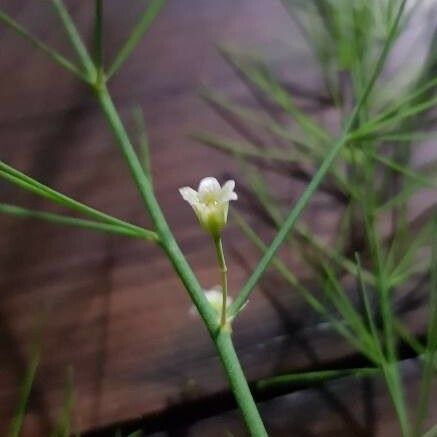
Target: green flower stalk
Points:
(224, 281)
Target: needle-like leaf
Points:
(51, 53)
(144, 23)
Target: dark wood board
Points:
(111, 308)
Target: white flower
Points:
(210, 203)
(215, 299)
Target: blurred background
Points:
(112, 320)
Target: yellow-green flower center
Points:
(209, 199)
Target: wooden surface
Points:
(111, 308)
(341, 408)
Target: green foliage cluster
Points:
(372, 181)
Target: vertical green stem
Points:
(167, 241)
(98, 38)
(145, 21)
(26, 385)
(221, 338)
(75, 39)
(238, 383)
(223, 278)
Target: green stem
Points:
(223, 278)
(428, 371)
(26, 385)
(126, 230)
(307, 295)
(75, 39)
(316, 377)
(27, 183)
(98, 39)
(238, 383)
(51, 53)
(143, 142)
(138, 31)
(168, 243)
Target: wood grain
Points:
(111, 308)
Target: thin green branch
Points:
(247, 150)
(258, 187)
(390, 362)
(347, 310)
(143, 142)
(223, 278)
(304, 199)
(408, 253)
(405, 100)
(391, 373)
(367, 308)
(144, 23)
(29, 184)
(316, 377)
(409, 338)
(374, 125)
(75, 39)
(25, 390)
(265, 80)
(266, 122)
(405, 171)
(98, 38)
(238, 383)
(400, 137)
(128, 231)
(51, 53)
(63, 424)
(333, 254)
(431, 343)
(306, 294)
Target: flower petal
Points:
(189, 195)
(214, 297)
(209, 185)
(228, 192)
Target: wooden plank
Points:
(346, 407)
(113, 309)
